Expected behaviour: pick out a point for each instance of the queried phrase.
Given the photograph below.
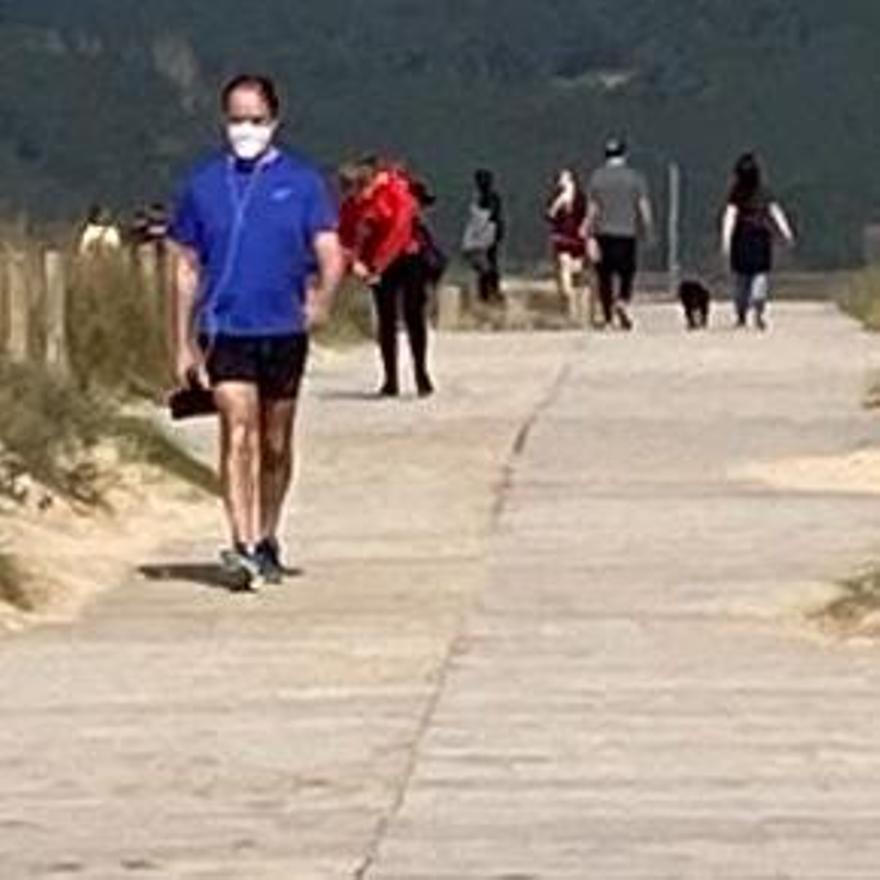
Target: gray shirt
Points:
(616, 190)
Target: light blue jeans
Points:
(750, 292)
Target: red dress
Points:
(567, 228)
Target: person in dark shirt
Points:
(751, 220)
(619, 214)
(483, 236)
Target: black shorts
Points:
(275, 364)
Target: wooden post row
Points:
(56, 314)
(17, 307)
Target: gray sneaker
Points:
(243, 568)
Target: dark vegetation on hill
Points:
(110, 99)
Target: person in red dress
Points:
(567, 216)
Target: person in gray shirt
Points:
(619, 214)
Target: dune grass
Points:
(51, 427)
(48, 428)
(116, 327)
(859, 599)
(141, 440)
(11, 590)
(351, 321)
(116, 339)
(861, 297)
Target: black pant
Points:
(404, 283)
(487, 266)
(490, 280)
(617, 262)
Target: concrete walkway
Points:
(544, 631)
(632, 699)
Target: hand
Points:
(317, 313)
(364, 273)
(189, 367)
(594, 252)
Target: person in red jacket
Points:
(379, 229)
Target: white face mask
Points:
(250, 140)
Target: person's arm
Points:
(646, 217)
(188, 361)
(498, 219)
(728, 225)
(781, 221)
(556, 204)
(646, 213)
(332, 266)
(593, 209)
(185, 237)
(591, 221)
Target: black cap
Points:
(615, 148)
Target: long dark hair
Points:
(747, 189)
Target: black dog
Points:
(695, 299)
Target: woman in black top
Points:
(751, 219)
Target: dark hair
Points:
(422, 193)
(484, 179)
(616, 148)
(356, 176)
(262, 84)
(748, 181)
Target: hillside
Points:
(111, 99)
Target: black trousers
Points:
(490, 279)
(403, 284)
(617, 263)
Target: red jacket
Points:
(379, 225)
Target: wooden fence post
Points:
(449, 305)
(17, 307)
(56, 314)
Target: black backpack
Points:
(433, 258)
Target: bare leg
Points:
(238, 403)
(277, 418)
(580, 291)
(591, 302)
(565, 283)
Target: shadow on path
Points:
(350, 395)
(204, 574)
